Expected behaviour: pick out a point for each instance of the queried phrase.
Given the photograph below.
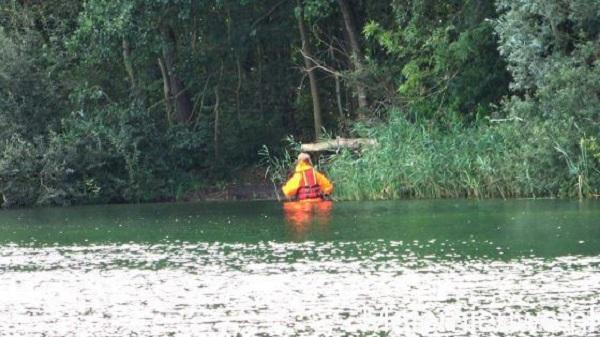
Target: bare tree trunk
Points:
(216, 129)
(135, 88)
(199, 105)
(217, 110)
(338, 96)
(178, 91)
(238, 89)
(357, 55)
(309, 68)
(261, 106)
(166, 90)
(128, 64)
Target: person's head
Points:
(304, 157)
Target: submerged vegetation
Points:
(140, 100)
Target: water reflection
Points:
(339, 288)
(301, 215)
(429, 268)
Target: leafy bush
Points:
(82, 166)
(112, 154)
(20, 165)
(28, 94)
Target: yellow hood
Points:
(303, 166)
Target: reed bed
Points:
(489, 160)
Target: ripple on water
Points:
(305, 289)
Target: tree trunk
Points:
(128, 64)
(166, 90)
(216, 129)
(238, 89)
(309, 68)
(217, 110)
(357, 55)
(136, 91)
(338, 96)
(183, 103)
(261, 105)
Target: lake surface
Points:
(401, 268)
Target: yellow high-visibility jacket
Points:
(295, 182)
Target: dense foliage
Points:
(544, 144)
(137, 100)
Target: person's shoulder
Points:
(320, 173)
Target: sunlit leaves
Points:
(550, 47)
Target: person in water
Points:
(307, 183)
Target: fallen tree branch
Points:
(338, 144)
(510, 119)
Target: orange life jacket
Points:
(309, 189)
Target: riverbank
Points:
(234, 192)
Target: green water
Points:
(546, 228)
(250, 268)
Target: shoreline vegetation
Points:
(507, 159)
(510, 159)
(131, 101)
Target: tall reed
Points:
(510, 159)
